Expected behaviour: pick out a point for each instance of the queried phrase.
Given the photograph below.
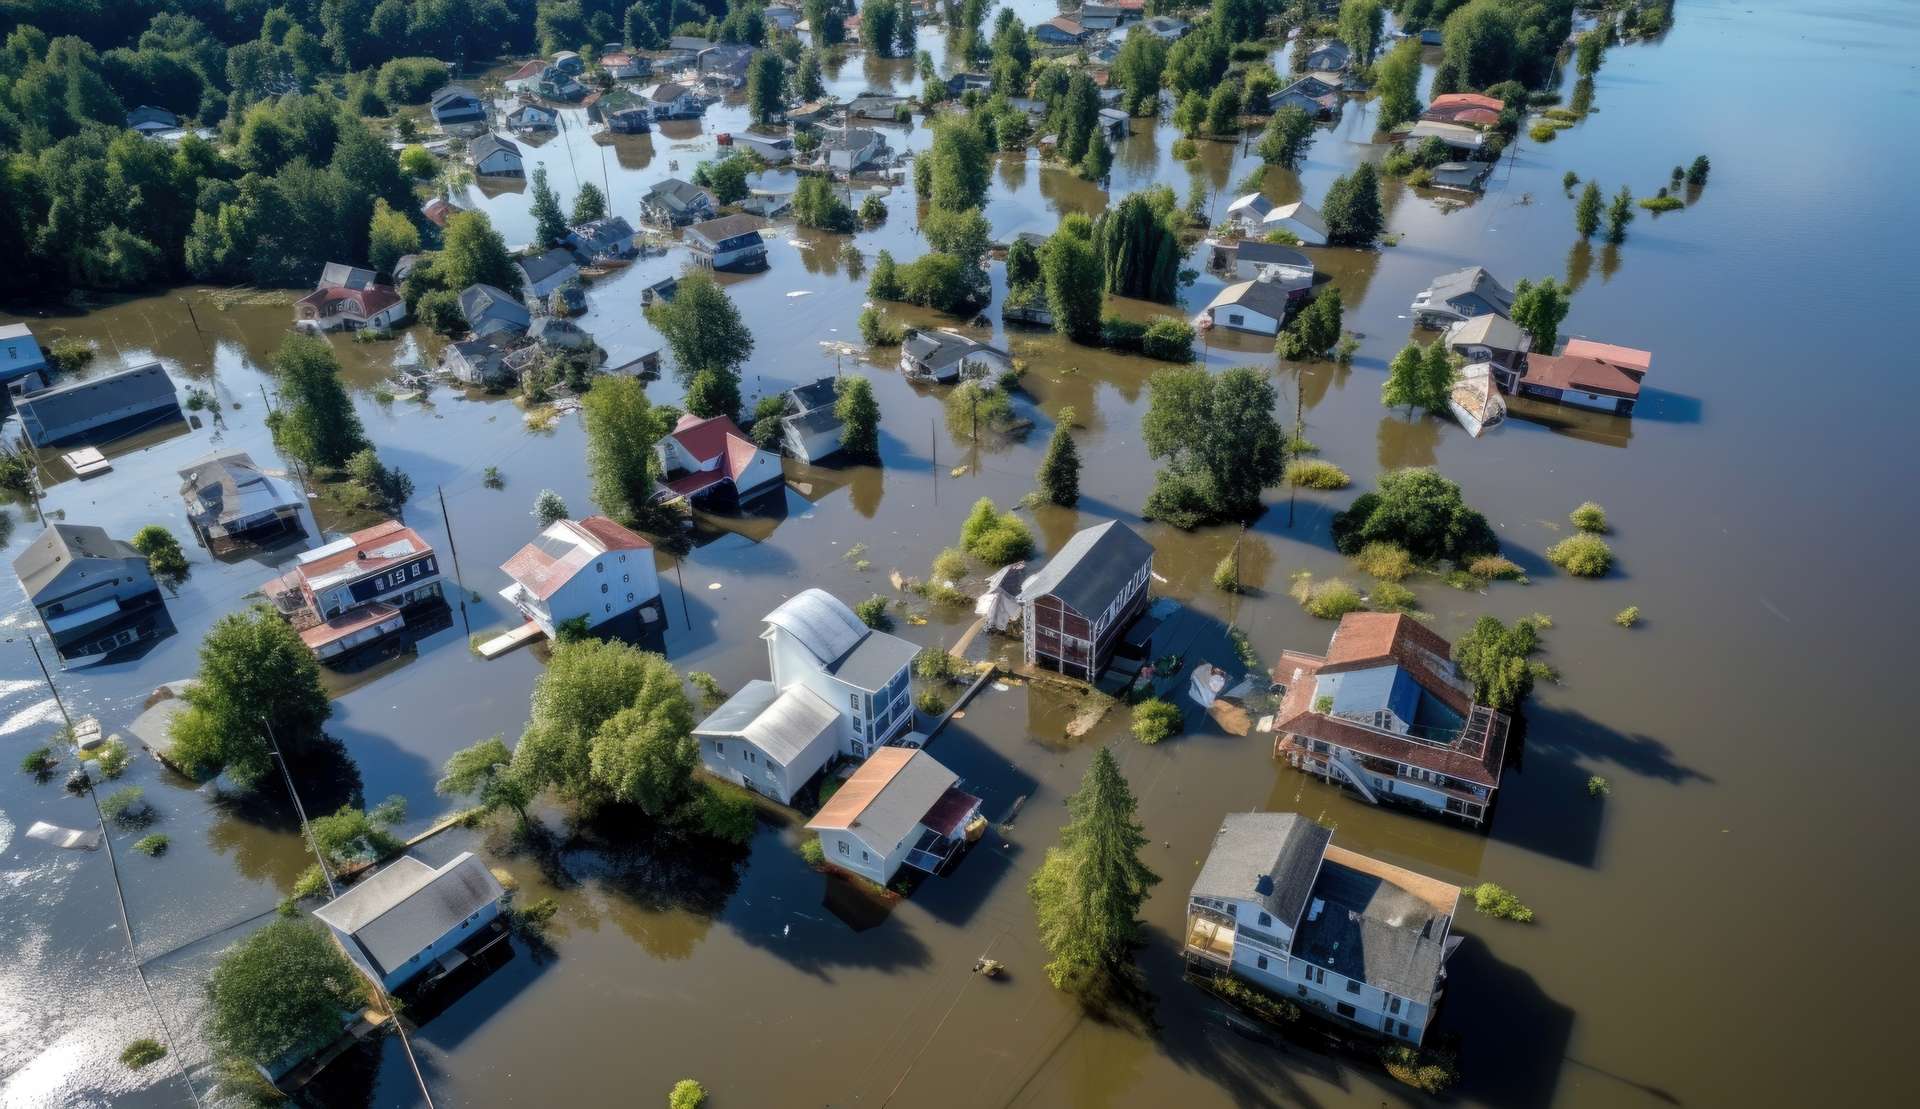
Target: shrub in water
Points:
(1384, 561)
(1329, 600)
(726, 812)
(1155, 720)
(1628, 616)
(1316, 474)
(950, 565)
(1498, 901)
(151, 846)
(1226, 575)
(1391, 596)
(931, 702)
(141, 1052)
(873, 613)
(812, 853)
(1428, 1069)
(687, 1094)
(1495, 568)
(127, 808)
(1585, 555)
(1589, 517)
(1598, 786)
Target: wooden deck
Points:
(507, 641)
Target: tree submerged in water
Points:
(1088, 890)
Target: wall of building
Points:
(452, 939)
(613, 584)
(1241, 318)
(741, 763)
(848, 852)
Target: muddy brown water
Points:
(1728, 927)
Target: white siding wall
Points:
(441, 946)
(729, 758)
(613, 584)
(812, 448)
(1241, 318)
(849, 852)
(792, 664)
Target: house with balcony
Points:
(1386, 713)
(1357, 941)
(1074, 610)
(836, 688)
(590, 570)
(359, 590)
(900, 808)
(1493, 339)
(709, 461)
(1461, 295)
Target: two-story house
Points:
(1587, 374)
(590, 569)
(1495, 340)
(1075, 608)
(1387, 713)
(349, 298)
(406, 917)
(1359, 941)
(1461, 295)
(94, 593)
(456, 107)
(900, 808)
(675, 203)
(231, 502)
(837, 687)
(358, 590)
(811, 428)
(728, 243)
(711, 460)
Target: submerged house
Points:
(811, 428)
(99, 409)
(349, 298)
(728, 243)
(604, 240)
(457, 106)
(837, 687)
(1473, 109)
(491, 310)
(492, 156)
(21, 358)
(1496, 340)
(93, 592)
(1246, 258)
(900, 808)
(231, 502)
(1461, 295)
(358, 590)
(1312, 94)
(528, 118)
(1331, 54)
(1074, 610)
(1387, 713)
(1261, 305)
(1587, 374)
(712, 459)
(849, 150)
(542, 273)
(1363, 942)
(408, 917)
(676, 203)
(1474, 398)
(1459, 136)
(1301, 220)
(592, 569)
(944, 356)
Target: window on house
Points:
(864, 856)
(1353, 986)
(720, 749)
(603, 587)
(599, 567)
(1403, 1029)
(609, 608)
(629, 598)
(844, 849)
(1260, 961)
(1301, 990)
(1344, 1009)
(1266, 920)
(1393, 1004)
(626, 577)
(752, 756)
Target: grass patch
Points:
(1598, 786)
(1561, 115)
(1155, 720)
(1628, 616)
(1498, 902)
(152, 846)
(1584, 556)
(1390, 596)
(1543, 131)
(1430, 1069)
(1313, 473)
(1384, 561)
(1299, 444)
(127, 807)
(141, 1052)
(1589, 517)
(1661, 203)
(1495, 568)
(812, 853)
(1329, 600)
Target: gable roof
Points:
(886, 798)
(1301, 212)
(1364, 640)
(1489, 329)
(717, 231)
(1064, 25)
(542, 266)
(565, 548)
(1267, 857)
(665, 92)
(939, 348)
(705, 439)
(1591, 375)
(1627, 358)
(62, 545)
(367, 301)
(453, 92)
(485, 146)
(781, 724)
(478, 302)
(1269, 298)
(1091, 568)
(401, 909)
(1252, 202)
(1469, 281)
(674, 193)
(344, 276)
(62, 405)
(822, 393)
(1453, 101)
(1378, 923)
(1271, 254)
(227, 485)
(364, 552)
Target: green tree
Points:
(1137, 70)
(1539, 308)
(726, 179)
(622, 427)
(255, 676)
(1220, 442)
(1071, 267)
(282, 988)
(349, 836)
(1493, 657)
(884, 282)
(640, 30)
(714, 392)
(1060, 468)
(316, 422)
(1406, 380)
(817, 204)
(1312, 333)
(1590, 52)
(806, 80)
(440, 311)
(1361, 22)
(1619, 215)
(583, 741)
(703, 328)
(549, 222)
(958, 164)
(1352, 208)
(1023, 263)
(474, 254)
(1396, 83)
(1223, 111)
(164, 557)
(645, 754)
(859, 416)
(1088, 890)
(1419, 511)
(1190, 114)
(418, 164)
(1287, 137)
(766, 77)
(1139, 246)
(391, 237)
(1077, 118)
(549, 508)
(1586, 212)
(1098, 161)
(589, 204)
(827, 18)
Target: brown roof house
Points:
(1387, 713)
(901, 808)
(1076, 607)
(1587, 374)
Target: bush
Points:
(935, 664)
(687, 1094)
(310, 883)
(1544, 131)
(38, 761)
(1253, 999)
(68, 356)
(409, 80)
(1155, 720)
(1185, 150)
(1499, 902)
(128, 807)
(1590, 517)
(165, 559)
(1661, 203)
(930, 701)
(875, 331)
(1628, 616)
(1314, 473)
(1584, 555)
(950, 565)
(725, 812)
(1495, 568)
(1329, 600)
(711, 694)
(113, 759)
(873, 613)
(1428, 1069)
(1226, 575)
(812, 853)
(1389, 596)
(1384, 561)
(873, 210)
(141, 1052)
(1419, 510)
(151, 846)
(1598, 786)
(995, 538)
(1168, 341)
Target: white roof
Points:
(821, 622)
(1253, 201)
(1301, 212)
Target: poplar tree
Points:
(1088, 891)
(1060, 469)
(1619, 215)
(549, 222)
(1586, 212)
(622, 427)
(859, 416)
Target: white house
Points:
(1247, 258)
(1260, 306)
(810, 428)
(1300, 219)
(591, 569)
(350, 307)
(21, 357)
(838, 688)
(728, 243)
(1248, 211)
(675, 203)
(533, 117)
(88, 588)
(851, 149)
(492, 156)
(711, 459)
(408, 916)
(1362, 942)
(944, 356)
(671, 100)
(900, 808)
(775, 150)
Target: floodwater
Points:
(1728, 927)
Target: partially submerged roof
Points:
(1489, 329)
(1266, 857)
(717, 231)
(1627, 358)
(1365, 640)
(1270, 254)
(62, 545)
(542, 266)
(1469, 281)
(1269, 298)
(823, 393)
(346, 276)
(1091, 568)
(783, 725)
(364, 552)
(939, 348)
(401, 909)
(485, 146)
(226, 485)
(1378, 923)
(886, 798)
(1300, 212)
(1590, 375)
(62, 405)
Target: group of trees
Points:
(1485, 42)
(1420, 377)
(887, 29)
(1591, 208)
(709, 341)
(1219, 443)
(1139, 245)
(1420, 512)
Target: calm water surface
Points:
(1729, 927)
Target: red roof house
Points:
(1587, 374)
(705, 458)
(592, 569)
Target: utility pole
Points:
(51, 688)
(933, 451)
(454, 550)
(1299, 434)
(681, 579)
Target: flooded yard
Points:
(1756, 828)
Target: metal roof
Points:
(884, 800)
(1267, 857)
(62, 406)
(63, 545)
(227, 486)
(781, 725)
(1092, 568)
(403, 908)
(822, 623)
(874, 661)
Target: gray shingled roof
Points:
(485, 145)
(402, 908)
(542, 266)
(227, 486)
(480, 303)
(813, 420)
(781, 725)
(1271, 254)
(1372, 930)
(873, 661)
(1473, 279)
(59, 547)
(1093, 567)
(1267, 857)
(814, 394)
(63, 405)
(1269, 298)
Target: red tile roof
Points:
(705, 439)
(1627, 358)
(346, 624)
(1588, 375)
(1478, 117)
(1067, 26)
(950, 814)
(542, 572)
(1456, 100)
(686, 485)
(379, 537)
(530, 69)
(365, 302)
(612, 536)
(1368, 639)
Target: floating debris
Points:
(70, 838)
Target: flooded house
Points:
(811, 428)
(457, 107)
(622, 65)
(711, 459)
(604, 240)
(1248, 258)
(533, 118)
(946, 356)
(775, 150)
(1313, 95)
(1059, 31)
(1388, 714)
(1586, 374)
(1466, 140)
(437, 211)
(1076, 607)
(21, 358)
(408, 918)
(479, 362)
(1461, 295)
(1471, 109)
(1331, 55)
(540, 274)
(569, 62)
(555, 83)
(1111, 15)
(490, 155)
(848, 150)
(232, 503)
(675, 203)
(1494, 339)
(491, 310)
(590, 570)
(728, 243)
(99, 410)
(94, 593)
(1167, 27)
(349, 298)
(900, 808)
(1461, 177)
(837, 687)
(671, 100)
(1260, 306)
(149, 121)
(358, 590)
(1474, 398)
(1362, 942)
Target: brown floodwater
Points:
(1754, 751)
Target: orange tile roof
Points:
(1368, 639)
(1627, 358)
(860, 790)
(1591, 375)
(379, 536)
(1466, 100)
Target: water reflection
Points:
(1403, 442)
(1579, 264)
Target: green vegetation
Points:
(1314, 331)
(1252, 999)
(1139, 245)
(1661, 203)
(708, 339)
(255, 676)
(40, 760)
(112, 759)
(622, 428)
(1219, 441)
(282, 988)
(930, 701)
(873, 613)
(1584, 555)
(1420, 377)
(1539, 309)
(1314, 473)
(141, 1052)
(875, 331)
(549, 508)
(817, 203)
(976, 405)
(1598, 786)
(1226, 573)
(1088, 890)
(1074, 277)
(722, 811)
(1487, 42)
(996, 538)
(1697, 172)
(389, 488)
(1628, 616)
(485, 773)
(1396, 82)
(1498, 902)
(1390, 596)
(1430, 1069)
(936, 664)
(1493, 657)
(127, 807)
(1155, 720)
(950, 564)
(1494, 568)
(1545, 130)
(1586, 212)
(315, 422)
(766, 78)
(1059, 473)
(1589, 517)
(1619, 215)
(812, 853)
(686, 1093)
(1329, 600)
(152, 846)
(1419, 511)
(1384, 561)
(1352, 208)
(859, 416)
(349, 835)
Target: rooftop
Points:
(364, 552)
(1266, 857)
(1378, 923)
(717, 231)
(1368, 639)
(564, 549)
(887, 797)
(401, 909)
(1491, 330)
(59, 547)
(1591, 375)
(1091, 568)
(783, 725)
